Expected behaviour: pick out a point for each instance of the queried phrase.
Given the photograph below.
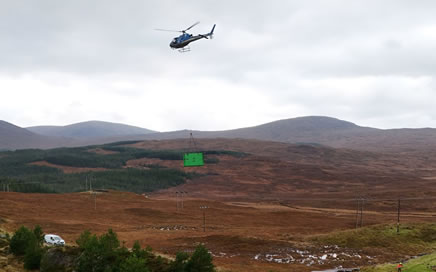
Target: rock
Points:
(3, 262)
(3, 243)
(59, 259)
(4, 250)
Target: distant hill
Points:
(14, 137)
(318, 130)
(324, 131)
(339, 134)
(90, 130)
(312, 129)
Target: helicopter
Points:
(183, 40)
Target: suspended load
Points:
(193, 158)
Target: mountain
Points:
(339, 134)
(318, 130)
(311, 129)
(90, 130)
(324, 131)
(80, 134)
(14, 137)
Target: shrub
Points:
(20, 241)
(211, 160)
(90, 259)
(28, 243)
(200, 261)
(104, 254)
(134, 264)
(428, 234)
(99, 254)
(39, 234)
(84, 239)
(156, 263)
(34, 253)
(179, 264)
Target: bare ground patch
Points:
(68, 169)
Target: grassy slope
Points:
(390, 246)
(412, 239)
(421, 264)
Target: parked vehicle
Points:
(53, 239)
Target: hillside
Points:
(14, 137)
(80, 134)
(318, 130)
(276, 170)
(272, 206)
(324, 131)
(340, 134)
(235, 169)
(90, 130)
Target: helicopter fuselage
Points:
(184, 39)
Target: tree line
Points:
(102, 253)
(17, 172)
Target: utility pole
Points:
(357, 213)
(177, 200)
(184, 194)
(95, 201)
(398, 218)
(204, 217)
(361, 212)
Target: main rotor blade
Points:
(192, 26)
(168, 30)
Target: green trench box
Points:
(193, 159)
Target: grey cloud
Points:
(113, 36)
(268, 46)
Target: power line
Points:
(357, 199)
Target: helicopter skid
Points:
(184, 49)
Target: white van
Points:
(53, 239)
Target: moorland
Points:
(266, 205)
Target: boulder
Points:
(59, 259)
(3, 262)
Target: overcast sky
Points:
(370, 62)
